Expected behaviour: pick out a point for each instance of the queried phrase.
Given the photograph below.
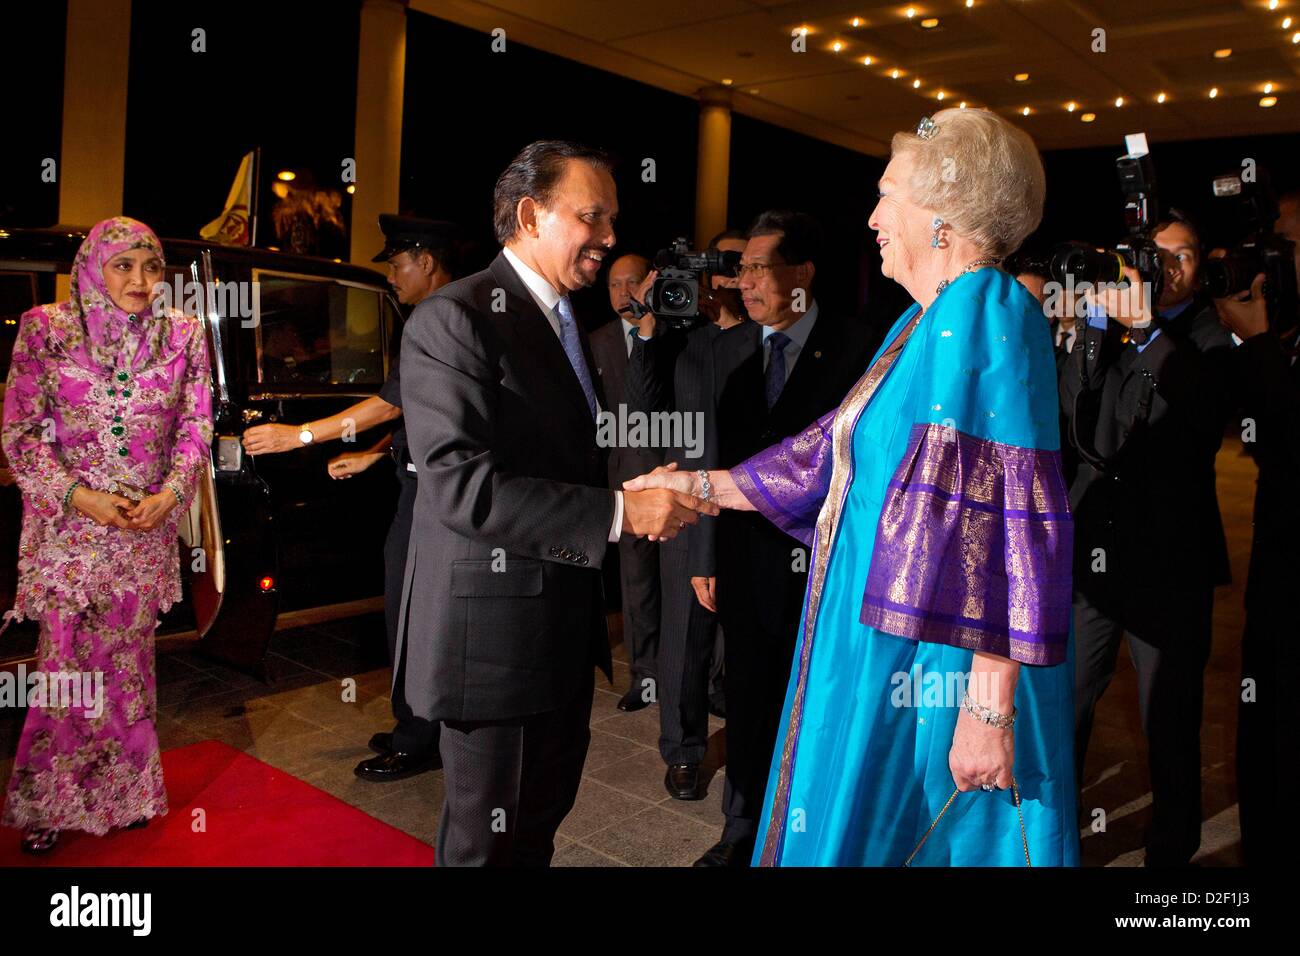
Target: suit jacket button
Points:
(555, 552)
(582, 559)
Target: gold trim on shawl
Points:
(828, 520)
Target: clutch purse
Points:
(1015, 794)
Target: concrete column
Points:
(712, 168)
(381, 74)
(94, 111)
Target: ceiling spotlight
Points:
(1223, 54)
(1295, 38)
(1286, 23)
(867, 61)
(1071, 106)
(916, 83)
(929, 23)
(962, 104)
(802, 31)
(286, 175)
(1021, 77)
(911, 12)
(1088, 117)
(1268, 87)
(1214, 91)
(895, 74)
(1272, 4)
(1119, 101)
(352, 189)
(1025, 111)
(727, 81)
(837, 46)
(1268, 101)
(856, 21)
(940, 95)
(970, 3)
(1160, 97)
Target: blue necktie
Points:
(776, 367)
(573, 349)
(631, 341)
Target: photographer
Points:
(1267, 741)
(670, 370)
(1142, 416)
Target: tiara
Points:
(927, 128)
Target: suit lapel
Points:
(810, 369)
(538, 340)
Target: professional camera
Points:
(1260, 250)
(1076, 264)
(675, 296)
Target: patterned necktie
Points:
(631, 341)
(573, 349)
(776, 367)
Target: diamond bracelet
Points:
(987, 716)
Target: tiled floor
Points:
(305, 725)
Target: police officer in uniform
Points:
(421, 259)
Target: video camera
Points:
(675, 296)
(1260, 250)
(1076, 264)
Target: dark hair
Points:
(535, 172)
(725, 235)
(801, 237)
(1176, 217)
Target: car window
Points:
(317, 331)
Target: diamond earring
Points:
(936, 224)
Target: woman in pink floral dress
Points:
(107, 427)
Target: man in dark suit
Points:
(769, 379)
(1267, 738)
(502, 608)
(673, 372)
(638, 558)
(1143, 404)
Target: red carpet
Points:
(256, 816)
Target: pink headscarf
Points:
(103, 324)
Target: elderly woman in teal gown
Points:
(929, 717)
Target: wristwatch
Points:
(305, 436)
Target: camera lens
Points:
(1229, 275)
(675, 295)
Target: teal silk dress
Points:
(938, 517)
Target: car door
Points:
(321, 347)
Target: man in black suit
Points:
(770, 378)
(673, 372)
(1144, 409)
(1267, 738)
(638, 558)
(502, 608)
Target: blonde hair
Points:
(981, 174)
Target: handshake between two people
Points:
(662, 502)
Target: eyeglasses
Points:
(759, 270)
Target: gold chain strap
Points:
(1015, 793)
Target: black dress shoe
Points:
(382, 742)
(37, 841)
(723, 853)
(395, 765)
(632, 700)
(682, 781)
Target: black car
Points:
(292, 339)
